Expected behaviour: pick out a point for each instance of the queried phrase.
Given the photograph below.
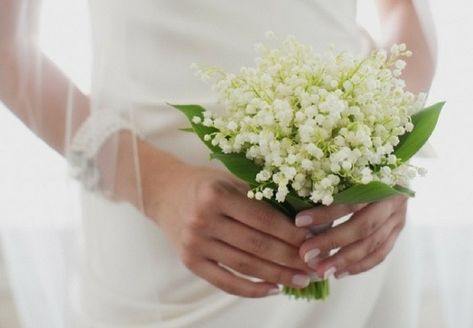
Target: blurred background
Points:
(38, 243)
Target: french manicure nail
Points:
(314, 277)
(342, 275)
(303, 220)
(313, 263)
(301, 280)
(312, 254)
(330, 271)
(274, 291)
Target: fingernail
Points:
(301, 280)
(309, 235)
(314, 277)
(303, 220)
(342, 275)
(312, 254)
(330, 271)
(274, 291)
(313, 263)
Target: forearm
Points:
(31, 86)
(127, 164)
(40, 95)
(132, 170)
(401, 24)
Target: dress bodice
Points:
(146, 46)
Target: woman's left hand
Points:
(363, 241)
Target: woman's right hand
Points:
(214, 227)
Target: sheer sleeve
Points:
(46, 100)
(426, 20)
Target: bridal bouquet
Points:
(307, 129)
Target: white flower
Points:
(422, 171)
(314, 151)
(259, 195)
(409, 127)
(263, 175)
(307, 164)
(208, 122)
(327, 200)
(197, 120)
(366, 179)
(281, 193)
(268, 193)
(315, 123)
(400, 64)
(232, 126)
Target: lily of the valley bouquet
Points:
(307, 129)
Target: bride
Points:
(170, 239)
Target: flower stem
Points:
(319, 290)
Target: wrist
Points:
(142, 174)
(160, 174)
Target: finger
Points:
(361, 225)
(317, 229)
(230, 283)
(312, 263)
(356, 252)
(264, 218)
(255, 242)
(325, 214)
(240, 185)
(252, 266)
(375, 258)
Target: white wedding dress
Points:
(130, 275)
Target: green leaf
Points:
(187, 130)
(201, 130)
(370, 192)
(405, 191)
(298, 203)
(424, 124)
(240, 166)
(190, 110)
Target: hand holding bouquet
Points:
(305, 129)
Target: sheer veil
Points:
(88, 132)
(426, 19)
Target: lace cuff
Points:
(87, 142)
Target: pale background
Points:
(39, 206)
